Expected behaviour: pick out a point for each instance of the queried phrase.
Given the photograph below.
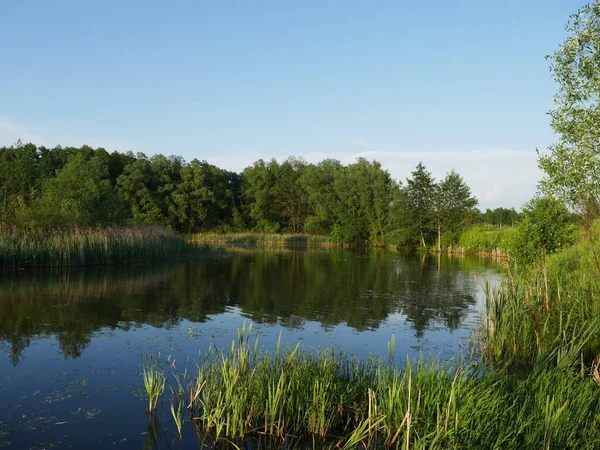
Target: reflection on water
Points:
(357, 288)
(70, 342)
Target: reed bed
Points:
(549, 311)
(295, 396)
(87, 246)
(263, 239)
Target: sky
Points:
(456, 84)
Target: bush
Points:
(546, 227)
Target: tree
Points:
(420, 197)
(546, 227)
(147, 185)
(81, 194)
(20, 177)
(290, 198)
(453, 204)
(318, 183)
(258, 189)
(573, 164)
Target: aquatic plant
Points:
(343, 402)
(87, 246)
(154, 380)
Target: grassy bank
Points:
(478, 239)
(549, 310)
(262, 239)
(87, 246)
(533, 381)
(296, 396)
(483, 239)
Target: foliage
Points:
(420, 197)
(573, 164)
(453, 205)
(81, 195)
(358, 203)
(499, 217)
(485, 239)
(548, 311)
(546, 226)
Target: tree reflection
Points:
(359, 288)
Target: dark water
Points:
(71, 342)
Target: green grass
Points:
(262, 239)
(87, 246)
(485, 239)
(547, 311)
(328, 397)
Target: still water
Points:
(71, 342)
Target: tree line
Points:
(357, 203)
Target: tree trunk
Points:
(439, 227)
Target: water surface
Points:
(71, 341)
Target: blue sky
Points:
(455, 84)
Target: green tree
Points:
(546, 226)
(453, 205)
(365, 193)
(420, 194)
(318, 181)
(147, 185)
(191, 198)
(258, 190)
(572, 165)
(290, 198)
(20, 177)
(81, 194)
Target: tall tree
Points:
(318, 183)
(572, 165)
(420, 196)
(258, 190)
(81, 194)
(290, 198)
(453, 205)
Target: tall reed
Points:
(344, 402)
(87, 246)
(263, 239)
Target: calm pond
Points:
(71, 342)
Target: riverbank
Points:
(58, 248)
(530, 378)
(478, 240)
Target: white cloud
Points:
(504, 178)
(11, 132)
(497, 177)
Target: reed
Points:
(154, 381)
(263, 239)
(87, 246)
(339, 401)
(547, 312)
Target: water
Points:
(71, 342)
